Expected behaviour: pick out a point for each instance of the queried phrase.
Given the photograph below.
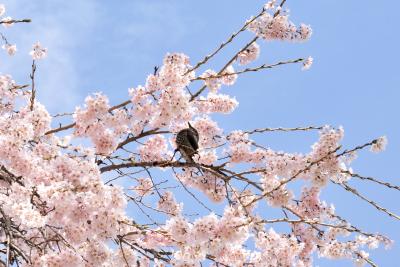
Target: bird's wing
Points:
(193, 141)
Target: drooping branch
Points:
(366, 178)
(230, 61)
(281, 129)
(355, 192)
(262, 67)
(230, 39)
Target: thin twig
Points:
(15, 21)
(281, 129)
(190, 193)
(262, 67)
(283, 182)
(387, 184)
(208, 57)
(32, 76)
(368, 260)
(237, 54)
(355, 192)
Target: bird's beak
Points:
(190, 126)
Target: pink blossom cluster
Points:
(59, 195)
(95, 121)
(240, 150)
(164, 99)
(155, 149)
(240, 147)
(216, 103)
(167, 204)
(7, 93)
(207, 182)
(307, 63)
(219, 237)
(209, 132)
(229, 76)
(279, 27)
(144, 187)
(323, 152)
(214, 80)
(38, 52)
(310, 205)
(379, 145)
(11, 49)
(250, 54)
(52, 192)
(276, 249)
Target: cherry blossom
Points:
(279, 27)
(110, 188)
(379, 145)
(212, 83)
(11, 49)
(250, 54)
(38, 52)
(307, 63)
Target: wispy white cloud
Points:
(61, 27)
(88, 40)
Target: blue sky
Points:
(354, 82)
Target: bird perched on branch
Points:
(187, 142)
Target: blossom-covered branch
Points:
(110, 187)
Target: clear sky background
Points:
(110, 46)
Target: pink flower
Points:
(379, 144)
(212, 83)
(167, 203)
(270, 4)
(144, 187)
(155, 149)
(250, 54)
(229, 77)
(307, 63)
(216, 103)
(279, 28)
(38, 52)
(11, 49)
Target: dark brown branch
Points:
(160, 164)
(15, 21)
(32, 76)
(141, 135)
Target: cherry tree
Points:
(68, 192)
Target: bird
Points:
(187, 142)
